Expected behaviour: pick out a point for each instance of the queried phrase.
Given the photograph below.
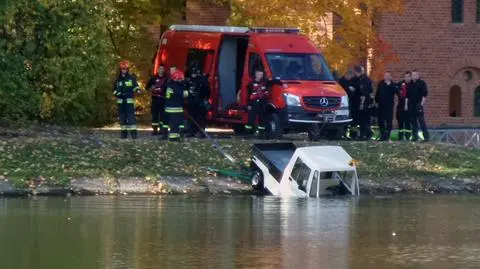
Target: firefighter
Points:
(403, 119)
(125, 88)
(174, 99)
(416, 98)
(385, 98)
(354, 104)
(257, 104)
(156, 85)
(198, 94)
(362, 90)
(346, 83)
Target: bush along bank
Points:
(33, 163)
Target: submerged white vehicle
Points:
(282, 169)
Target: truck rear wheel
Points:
(274, 128)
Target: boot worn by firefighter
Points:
(133, 134)
(124, 134)
(155, 130)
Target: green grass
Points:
(60, 158)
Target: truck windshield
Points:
(301, 66)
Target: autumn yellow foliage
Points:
(345, 44)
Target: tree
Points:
(61, 55)
(58, 58)
(353, 35)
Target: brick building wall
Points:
(207, 14)
(446, 54)
(199, 13)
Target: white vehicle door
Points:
(300, 178)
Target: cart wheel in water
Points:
(257, 181)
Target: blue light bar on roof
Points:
(274, 30)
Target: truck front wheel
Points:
(274, 128)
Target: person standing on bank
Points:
(385, 98)
(346, 82)
(198, 94)
(175, 95)
(257, 104)
(403, 118)
(363, 90)
(125, 88)
(156, 85)
(414, 104)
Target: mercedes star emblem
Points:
(324, 101)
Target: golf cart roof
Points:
(327, 158)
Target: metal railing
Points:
(460, 137)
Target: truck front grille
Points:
(322, 102)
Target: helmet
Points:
(124, 65)
(178, 76)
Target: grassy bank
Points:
(58, 157)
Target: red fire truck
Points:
(304, 95)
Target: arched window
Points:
(457, 11)
(478, 11)
(455, 109)
(477, 102)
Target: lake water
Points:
(239, 232)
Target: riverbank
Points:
(86, 161)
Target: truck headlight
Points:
(343, 110)
(292, 100)
(344, 102)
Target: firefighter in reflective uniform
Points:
(198, 94)
(156, 85)
(258, 98)
(403, 118)
(125, 88)
(175, 94)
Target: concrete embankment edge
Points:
(212, 186)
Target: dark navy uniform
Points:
(125, 88)
(198, 94)
(174, 101)
(385, 98)
(415, 94)
(157, 87)
(362, 114)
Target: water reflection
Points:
(239, 232)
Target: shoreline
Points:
(59, 161)
(226, 186)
